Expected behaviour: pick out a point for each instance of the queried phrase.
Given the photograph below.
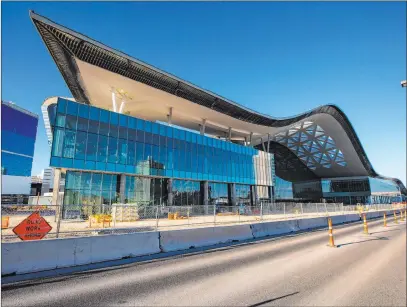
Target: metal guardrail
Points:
(89, 220)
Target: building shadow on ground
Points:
(273, 299)
(385, 231)
(363, 241)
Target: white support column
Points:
(122, 189)
(206, 197)
(232, 187)
(170, 194)
(262, 144)
(122, 106)
(169, 117)
(55, 192)
(114, 101)
(203, 126)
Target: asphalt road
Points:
(301, 270)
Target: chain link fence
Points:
(89, 220)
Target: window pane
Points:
(69, 144)
(102, 148)
(112, 150)
(122, 151)
(91, 148)
(80, 145)
(96, 181)
(58, 142)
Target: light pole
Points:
(404, 83)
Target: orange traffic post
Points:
(365, 229)
(395, 217)
(401, 215)
(330, 233)
(384, 220)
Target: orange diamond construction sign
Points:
(34, 227)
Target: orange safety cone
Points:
(330, 233)
(395, 217)
(365, 229)
(384, 220)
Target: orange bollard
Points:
(384, 220)
(365, 229)
(395, 217)
(401, 215)
(330, 233)
(4, 222)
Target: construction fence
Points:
(90, 220)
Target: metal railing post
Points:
(302, 209)
(59, 221)
(284, 211)
(214, 215)
(261, 211)
(156, 218)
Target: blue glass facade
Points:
(90, 139)
(18, 134)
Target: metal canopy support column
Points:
(206, 196)
(268, 142)
(262, 144)
(254, 195)
(230, 134)
(122, 190)
(251, 139)
(114, 101)
(169, 190)
(232, 188)
(202, 127)
(169, 117)
(122, 106)
(55, 188)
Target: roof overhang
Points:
(91, 70)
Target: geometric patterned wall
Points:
(312, 145)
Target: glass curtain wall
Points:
(88, 138)
(186, 193)
(218, 194)
(243, 194)
(146, 191)
(283, 189)
(88, 193)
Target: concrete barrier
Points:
(35, 256)
(305, 224)
(352, 217)
(260, 230)
(112, 247)
(173, 240)
(338, 219)
(24, 257)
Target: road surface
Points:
(301, 270)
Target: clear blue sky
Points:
(274, 57)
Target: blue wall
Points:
(18, 133)
(89, 138)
